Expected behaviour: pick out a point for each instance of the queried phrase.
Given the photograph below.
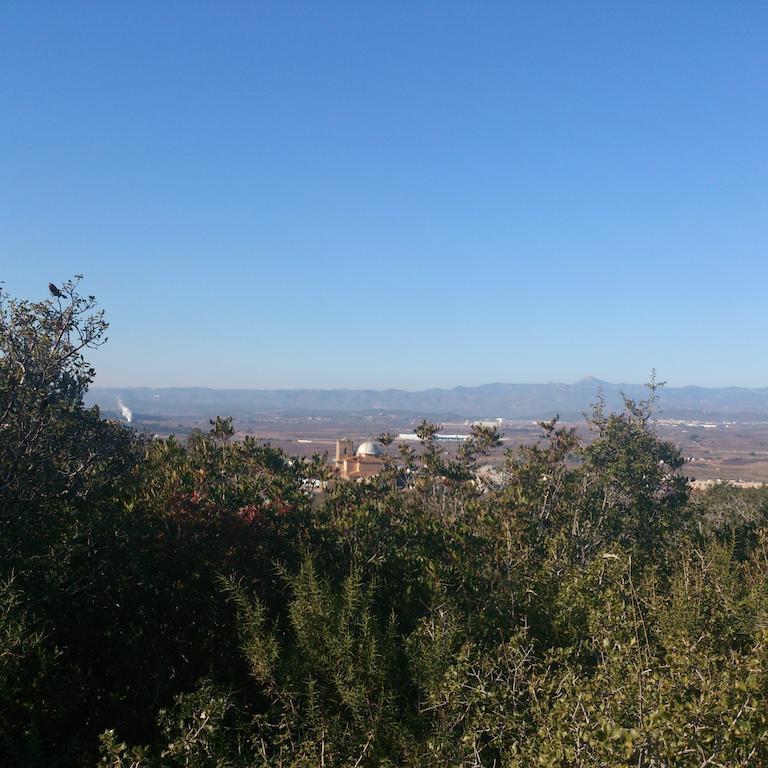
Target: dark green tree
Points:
(51, 446)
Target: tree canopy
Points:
(188, 603)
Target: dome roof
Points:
(369, 448)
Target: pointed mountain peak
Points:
(589, 379)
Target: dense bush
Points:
(184, 604)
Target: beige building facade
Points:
(358, 464)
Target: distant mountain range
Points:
(508, 401)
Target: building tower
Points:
(344, 449)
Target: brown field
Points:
(733, 451)
(726, 451)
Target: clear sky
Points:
(375, 194)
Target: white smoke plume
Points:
(125, 410)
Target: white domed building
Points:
(366, 461)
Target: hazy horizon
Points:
(384, 388)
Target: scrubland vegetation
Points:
(168, 604)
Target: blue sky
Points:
(372, 194)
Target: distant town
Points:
(723, 433)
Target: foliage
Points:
(168, 603)
(50, 445)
